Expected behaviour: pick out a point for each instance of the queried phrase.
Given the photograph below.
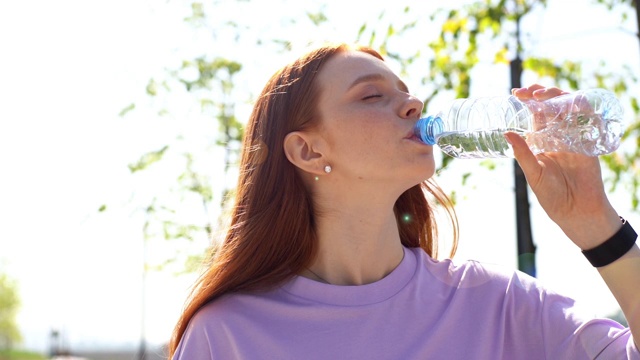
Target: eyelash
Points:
(371, 96)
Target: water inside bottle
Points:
(477, 143)
(589, 123)
(589, 134)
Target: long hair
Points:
(271, 236)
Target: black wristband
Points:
(613, 249)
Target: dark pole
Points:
(634, 3)
(526, 248)
(142, 347)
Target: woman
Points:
(331, 247)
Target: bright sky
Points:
(68, 68)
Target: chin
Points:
(421, 177)
(416, 172)
(426, 170)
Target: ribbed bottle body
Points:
(474, 128)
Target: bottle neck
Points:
(429, 128)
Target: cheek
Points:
(367, 154)
(358, 138)
(366, 131)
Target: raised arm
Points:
(569, 188)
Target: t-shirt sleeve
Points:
(195, 343)
(598, 338)
(567, 332)
(208, 335)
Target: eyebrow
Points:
(376, 77)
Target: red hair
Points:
(271, 236)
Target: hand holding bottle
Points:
(568, 185)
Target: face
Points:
(366, 118)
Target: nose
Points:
(412, 108)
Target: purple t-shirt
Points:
(424, 309)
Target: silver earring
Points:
(327, 169)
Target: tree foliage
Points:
(9, 306)
(481, 31)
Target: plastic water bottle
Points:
(589, 122)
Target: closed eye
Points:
(372, 96)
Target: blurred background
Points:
(120, 124)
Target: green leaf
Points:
(317, 18)
(152, 88)
(147, 159)
(465, 177)
(361, 31)
(197, 13)
(126, 109)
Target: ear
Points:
(301, 152)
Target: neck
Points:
(355, 246)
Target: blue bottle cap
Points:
(428, 129)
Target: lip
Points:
(411, 135)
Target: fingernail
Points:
(506, 136)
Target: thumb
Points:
(527, 160)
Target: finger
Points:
(547, 93)
(527, 160)
(526, 93)
(535, 87)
